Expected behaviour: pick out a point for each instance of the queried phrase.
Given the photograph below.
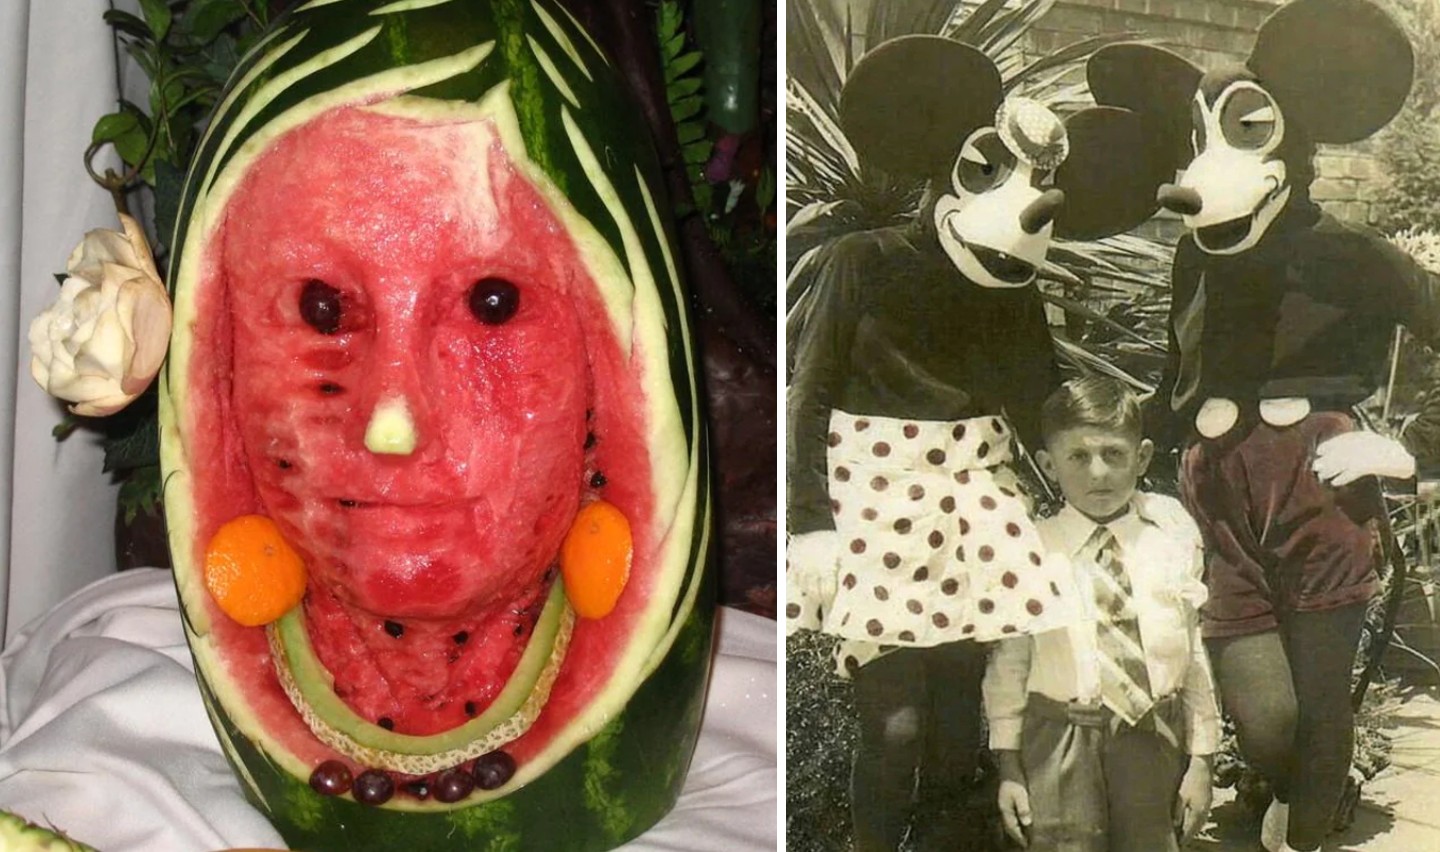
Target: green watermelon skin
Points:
(577, 805)
(602, 767)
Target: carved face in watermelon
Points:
(365, 316)
(419, 338)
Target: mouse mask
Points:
(1006, 173)
(1322, 71)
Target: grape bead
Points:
(453, 785)
(331, 778)
(493, 770)
(373, 787)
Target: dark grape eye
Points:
(494, 300)
(320, 306)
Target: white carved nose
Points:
(391, 430)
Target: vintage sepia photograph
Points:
(1112, 431)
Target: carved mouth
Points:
(1004, 267)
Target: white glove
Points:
(812, 568)
(1345, 458)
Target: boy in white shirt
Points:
(1104, 730)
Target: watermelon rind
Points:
(529, 72)
(18, 834)
(509, 715)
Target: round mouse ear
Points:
(1340, 69)
(1111, 174)
(1153, 82)
(910, 103)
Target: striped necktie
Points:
(1124, 681)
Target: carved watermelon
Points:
(425, 310)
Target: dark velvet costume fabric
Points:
(1309, 312)
(1278, 540)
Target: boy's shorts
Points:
(1277, 539)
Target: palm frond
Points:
(1087, 312)
(892, 18)
(969, 28)
(1086, 361)
(817, 49)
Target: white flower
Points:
(101, 343)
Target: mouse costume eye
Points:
(1250, 119)
(984, 163)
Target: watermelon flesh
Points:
(453, 538)
(426, 569)
(426, 456)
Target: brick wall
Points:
(1209, 33)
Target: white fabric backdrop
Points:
(57, 507)
(103, 734)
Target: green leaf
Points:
(132, 147)
(220, 56)
(144, 56)
(157, 14)
(672, 47)
(690, 131)
(114, 125)
(134, 141)
(205, 19)
(681, 64)
(130, 25)
(68, 424)
(687, 108)
(765, 189)
(682, 88)
(697, 152)
(140, 492)
(667, 20)
(136, 448)
(704, 194)
(169, 187)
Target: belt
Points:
(1161, 718)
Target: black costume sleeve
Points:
(1162, 424)
(820, 360)
(1417, 301)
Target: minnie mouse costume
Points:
(919, 352)
(924, 348)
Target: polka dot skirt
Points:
(936, 540)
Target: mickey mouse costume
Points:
(922, 351)
(1280, 322)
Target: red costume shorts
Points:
(1277, 539)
